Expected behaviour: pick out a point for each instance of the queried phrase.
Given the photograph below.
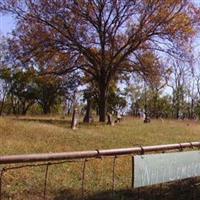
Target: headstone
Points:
(74, 123)
(119, 118)
(64, 110)
(146, 118)
(141, 114)
(91, 120)
(161, 119)
(110, 120)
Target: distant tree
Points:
(156, 87)
(52, 89)
(21, 90)
(4, 87)
(116, 100)
(26, 87)
(179, 84)
(49, 92)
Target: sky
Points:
(6, 24)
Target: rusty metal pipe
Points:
(11, 159)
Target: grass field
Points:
(37, 135)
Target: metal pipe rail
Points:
(11, 159)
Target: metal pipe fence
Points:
(15, 162)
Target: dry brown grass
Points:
(19, 136)
(36, 135)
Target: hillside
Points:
(36, 135)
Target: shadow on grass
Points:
(185, 190)
(60, 122)
(43, 120)
(57, 122)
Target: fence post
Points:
(113, 175)
(132, 183)
(45, 180)
(1, 180)
(83, 179)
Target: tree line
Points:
(97, 44)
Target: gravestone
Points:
(119, 118)
(110, 119)
(74, 123)
(146, 118)
(64, 111)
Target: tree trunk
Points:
(26, 108)
(102, 103)
(155, 109)
(46, 109)
(24, 111)
(23, 108)
(88, 111)
(2, 105)
(177, 110)
(192, 109)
